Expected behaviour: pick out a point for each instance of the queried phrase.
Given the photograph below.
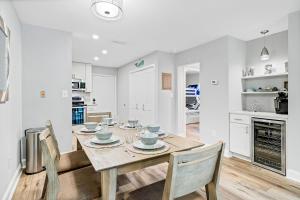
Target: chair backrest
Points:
(51, 158)
(190, 170)
(97, 117)
(55, 143)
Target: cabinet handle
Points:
(143, 107)
(136, 106)
(238, 119)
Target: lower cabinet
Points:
(240, 139)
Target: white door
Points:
(142, 95)
(104, 91)
(240, 139)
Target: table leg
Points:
(109, 184)
(76, 144)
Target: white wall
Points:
(166, 101)
(104, 70)
(213, 59)
(277, 45)
(11, 111)
(47, 56)
(293, 136)
(236, 63)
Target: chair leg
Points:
(211, 191)
(45, 187)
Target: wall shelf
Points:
(261, 93)
(265, 76)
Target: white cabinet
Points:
(240, 135)
(83, 71)
(142, 95)
(78, 70)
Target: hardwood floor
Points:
(239, 181)
(192, 130)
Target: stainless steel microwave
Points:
(78, 85)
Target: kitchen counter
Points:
(266, 115)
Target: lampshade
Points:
(264, 54)
(107, 9)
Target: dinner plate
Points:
(126, 127)
(113, 139)
(112, 124)
(138, 144)
(85, 130)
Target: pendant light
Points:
(264, 53)
(107, 9)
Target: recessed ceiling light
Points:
(108, 9)
(104, 51)
(96, 58)
(95, 37)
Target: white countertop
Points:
(267, 115)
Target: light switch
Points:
(65, 94)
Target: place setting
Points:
(108, 121)
(147, 143)
(90, 128)
(104, 138)
(131, 124)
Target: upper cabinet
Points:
(83, 71)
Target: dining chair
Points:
(187, 173)
(190, 170)
(67, 161)
(97, 117)
(64, 162)
(83, 183)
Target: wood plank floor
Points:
(239, 181)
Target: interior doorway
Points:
(189, 100)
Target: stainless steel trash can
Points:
(33, 151)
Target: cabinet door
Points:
(78, 70)
(240, 139)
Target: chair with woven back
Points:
(83, 183)
(188, 172)
(64, 162)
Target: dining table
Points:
(117, 160)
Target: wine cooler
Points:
(268, 144)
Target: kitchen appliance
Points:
(78, 85)
(281, 103)
(78, 110)
(268, 144)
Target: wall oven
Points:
(268, 144)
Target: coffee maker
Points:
(281, 103)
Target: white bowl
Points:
(149, 138)
(132, 123)
(103, 135)
(91, 125)
(153, 128)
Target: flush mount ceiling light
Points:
(95, 36)
(104, 51)
(264, 53)
(108, 9)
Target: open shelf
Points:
(265, 76)
(262, 93)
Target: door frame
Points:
(156, 89)
(116, 93)
(181, 84)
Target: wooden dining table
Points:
(114, 161)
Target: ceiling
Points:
(149, 25)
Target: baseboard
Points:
(227, 153)
(12, 184)
(293, 175)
